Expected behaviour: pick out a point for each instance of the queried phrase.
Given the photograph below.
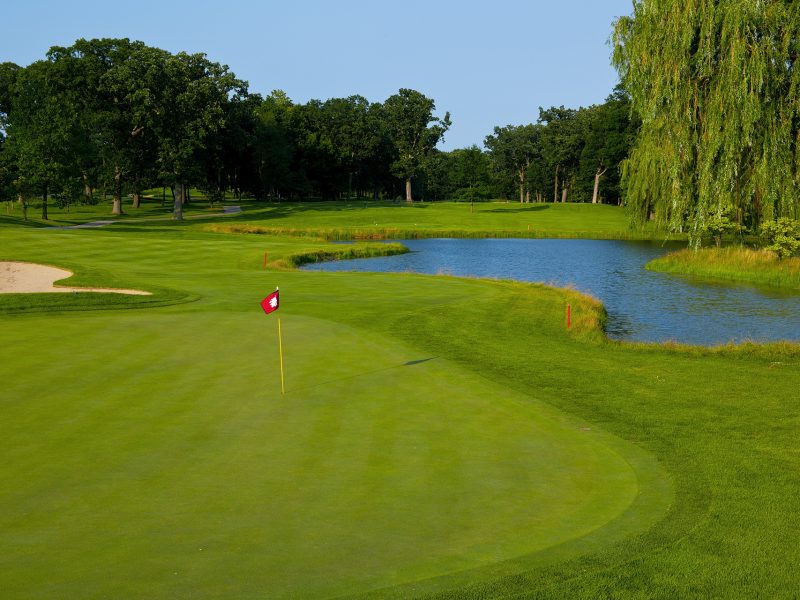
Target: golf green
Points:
(144, 452)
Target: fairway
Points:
(150, 453)
(438, 436)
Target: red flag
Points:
(271, 302)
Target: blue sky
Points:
(489, 63)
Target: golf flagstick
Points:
(280, 353)
(270, 304)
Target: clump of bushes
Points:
(717, 226)
(782, 236)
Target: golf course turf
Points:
(438, 437)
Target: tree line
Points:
(116, 117)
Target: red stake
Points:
(569, 316)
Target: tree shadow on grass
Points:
(410, 363)
(521, 209)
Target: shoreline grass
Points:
(306, 257)
(395, 233)
(759, 267)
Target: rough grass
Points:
(395, 233)
(305, 257)
(759, 267)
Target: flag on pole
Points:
(271, 302)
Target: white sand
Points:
(21, 277)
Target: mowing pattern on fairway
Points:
(419, 448)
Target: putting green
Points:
(172, 467)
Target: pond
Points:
(642, 305)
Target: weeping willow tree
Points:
(715, 85)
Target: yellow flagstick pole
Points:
(280, 352)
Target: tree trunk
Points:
(565, 192)
(521, 176)
(177, 211)
(600, 172)
(409, 198)
(349, 185)
(555, 187)
(528, 197)
(44, 202)
(24, 202)
(117, 206)
(186, 196)
(87, 190)
(137, 200)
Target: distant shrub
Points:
(717, 226)
(782, 236)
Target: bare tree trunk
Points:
(24, 202)
(409, 198)
(87, 190)
(117, 206)
(177, 210)
(349, 185)
(137, 200)
(44, 203)
(521, 176)
(565, 192)
(600, 172)
(187, 198)
(555, 187)
(528, 197)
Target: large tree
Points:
(274, 146)
(414, 131)
(715, 85)
(44, 133)
(108, 76)
(562, 142)
(8, 75)
(190, 93)
(513, 149)
(609, 133)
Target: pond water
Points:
(642, 305)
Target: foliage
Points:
(44, 137)
(717, 225)
(568, 155)
(562, 142)
(414, 131)
(513, 149)
(609, 132)
(462, 174)
(717, 90)
(782, 235)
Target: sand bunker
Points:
(26, 278)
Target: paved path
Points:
(86, 225)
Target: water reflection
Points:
(642, 305)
